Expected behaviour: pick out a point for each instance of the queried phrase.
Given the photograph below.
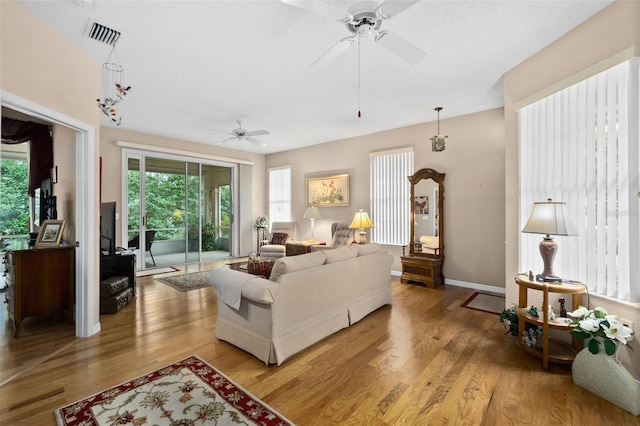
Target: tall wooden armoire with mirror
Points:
(423, 260)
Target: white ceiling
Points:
(201, 65)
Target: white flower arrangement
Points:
(597, 325)
(262, 222)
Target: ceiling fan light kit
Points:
(363, 20)
(438, 141)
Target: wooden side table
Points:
(553, 350)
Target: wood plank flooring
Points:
(422, 361)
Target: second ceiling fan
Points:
(242, 134)
(364, 20)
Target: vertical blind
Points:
(390, 191)
(574, 147)
(280, 194)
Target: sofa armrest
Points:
(232, 285)
(260, 290)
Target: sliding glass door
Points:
(179, 211)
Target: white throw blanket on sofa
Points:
(230, 287)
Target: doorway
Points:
(179, 210)
(85, 211)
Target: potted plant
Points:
(597, 370)
(531, 333)
(262, 222)
(600, 328)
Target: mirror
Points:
(427, 194)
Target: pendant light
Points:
(437, 141)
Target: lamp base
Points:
(548, 249)
(548, 278)
(363, 238)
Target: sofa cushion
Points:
(296, 263)
(340, 254)
(365, 249)
(279, 238)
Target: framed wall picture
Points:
(329, 191)
(421, 204)
(50, 233)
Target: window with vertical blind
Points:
(280, 194)
(580, 146)
(390, 192)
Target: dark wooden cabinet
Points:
(39, 282)
(119, 265)
(425, 269)
(117, 281)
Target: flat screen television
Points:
(108, 227)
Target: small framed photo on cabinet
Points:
(50, 233)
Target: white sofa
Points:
(307, 298)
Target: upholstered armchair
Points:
(281, 233)
(341, 235)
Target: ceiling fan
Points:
(242, 134)
(364, 20)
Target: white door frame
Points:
(86, 241)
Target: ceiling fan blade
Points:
(226, 132)
(256, 141)
(338, 49)
(321, 8)
(225, 140)
(390, 8)
(401, 47)
(257, 133)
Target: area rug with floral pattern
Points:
(189, 392)
(186, 282)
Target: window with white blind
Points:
(390, 192)
(580, 146)
(280, 194)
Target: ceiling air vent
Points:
(102, 33)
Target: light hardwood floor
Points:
(422, 361)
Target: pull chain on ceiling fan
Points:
(359, 74)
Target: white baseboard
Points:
(474, 286)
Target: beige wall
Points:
(112, 167)
(64, 158)
(591, 47)
(42, 66)
(474, 187)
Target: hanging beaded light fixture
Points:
(437, 141)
